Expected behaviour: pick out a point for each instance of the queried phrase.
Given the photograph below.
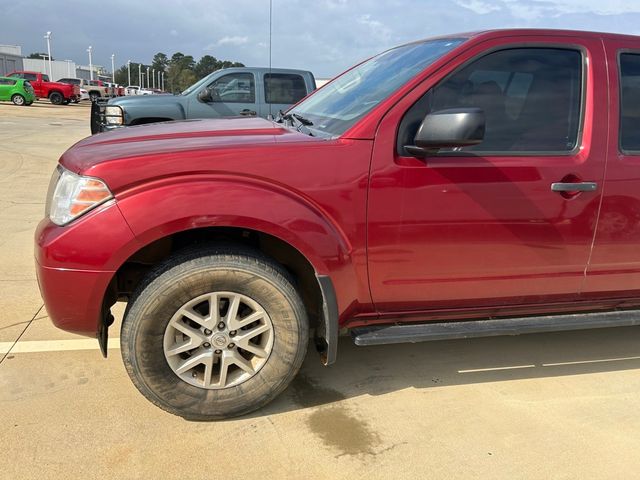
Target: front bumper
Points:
(74, 298)
(98, 122)
(76, 264)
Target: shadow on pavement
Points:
(382, 369)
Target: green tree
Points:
(207, 65)
(160, 62)
(39, 55)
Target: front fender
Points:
(173, 205)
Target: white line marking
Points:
(514, 367)
(55, 345)
(621, 359)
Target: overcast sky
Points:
(324, 36)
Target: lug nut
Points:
(218, 352)
(194, 374)
(221, 325)
(232, 333)
(207, 331)
(231, 345)
(206, 345)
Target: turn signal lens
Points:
(74, 195)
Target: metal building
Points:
(10, 58)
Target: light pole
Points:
(48, 37)
(90, 49)
(113, 68)
(154, 77)
(140, 75)
(159, 79)
(142, 85)
(147, 77)
(129, 72)
(163, 81)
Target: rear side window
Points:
(6, 81)
(32, 77)
(284, 88)
(630, 102)
(531, 98)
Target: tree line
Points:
(180, 71)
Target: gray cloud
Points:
(325, 36)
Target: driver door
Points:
(233, 94)
(481, 226)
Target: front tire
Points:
(213, 334)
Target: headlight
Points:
(113, 115)
(72, 195)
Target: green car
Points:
(17, 90)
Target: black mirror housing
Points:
(451, 128)
(205, 96)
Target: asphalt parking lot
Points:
(560, 405)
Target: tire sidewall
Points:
(148, 317)
(16, 96)
(56, 98)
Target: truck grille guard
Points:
(98, 119)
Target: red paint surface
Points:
(454, 237)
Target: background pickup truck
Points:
(95, 88)
(224, 93)
(57, 93)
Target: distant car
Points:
(131, 90)
(58, 93)
(84, 95)
(16, 90)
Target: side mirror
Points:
(205, 96)
(451, 128)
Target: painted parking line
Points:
(492, 369)
(55, 345)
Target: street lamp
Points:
(48, 37)
(140, 75)
(113, 68)
(90, 49)
(163, 81)
(154, 77)
(147, 77)
(129, 72)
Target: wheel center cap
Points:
(220, 340)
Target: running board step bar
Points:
(425, 332)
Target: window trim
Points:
(619, 54)
(535, 153)
(255, 88)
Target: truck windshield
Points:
(197, 85)
(339, 105)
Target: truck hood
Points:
(173, 148)
(137, 100)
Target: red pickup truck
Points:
(57, 93)
(462, 186)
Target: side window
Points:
(6, 81)
(31, 77)
(45, 78)
(16, 75)
(629, 102)
(531, 98)
(234, 88)
(284, 88)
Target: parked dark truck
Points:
(464, 186)
(57, 93)
(224, 93)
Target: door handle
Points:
(574, 187)
(247, 112)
